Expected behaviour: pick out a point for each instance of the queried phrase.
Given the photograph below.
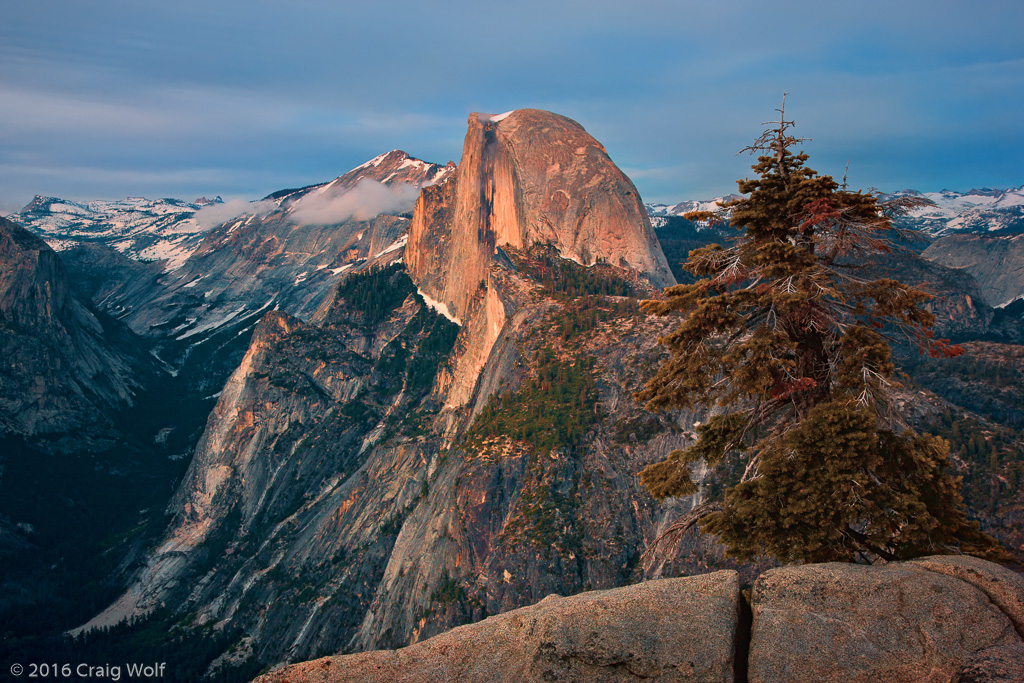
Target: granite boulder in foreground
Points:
(685, 629)
(902, 622)
(935, 619)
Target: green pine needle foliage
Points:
(784, 340)
(552, 409)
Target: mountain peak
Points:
(528, 177)
(392, 168)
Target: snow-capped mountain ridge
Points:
(223, 265)
(171, 230)
(144, 229)
(390, 168)
(689, 205)
(976, 211)
(981, 210)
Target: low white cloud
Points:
(215, 214)
(364, 201)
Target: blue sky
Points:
(107, 98)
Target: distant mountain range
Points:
(168, 229)
(661, 211)
(203, 273)
(976, 211)
(144, 229)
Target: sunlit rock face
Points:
(528, 177)
(447, 439)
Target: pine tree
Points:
(784, 340)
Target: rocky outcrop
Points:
(993, 260)
(1004, 588)
(62, 367)
(997, 664)
(899, 622)
(525, 178)
(684, 629)
(829, 622)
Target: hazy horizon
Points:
(109, 99)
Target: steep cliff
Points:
(63, 367)
(443, 443)
(82, 499)
(526, 178)
(993, 260)
(89, 434)
(333, 503)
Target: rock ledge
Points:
(934, 619)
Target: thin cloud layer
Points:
(364, 201)
(214, 214)
(925, 94)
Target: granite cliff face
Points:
(528, 177)
(63, 367)
(993, 260)
(335, 504)
(447, 437)
(80, 457)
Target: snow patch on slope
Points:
(439, 307)
(394, 246)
